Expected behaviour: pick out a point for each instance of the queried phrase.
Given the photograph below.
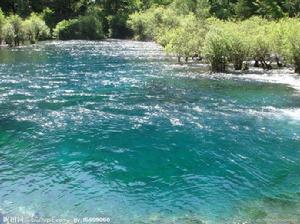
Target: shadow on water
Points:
(21, 55)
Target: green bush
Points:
(48, 16)
(90, 27)
(216, 47)
(18, 29)
(220, 42)
(87, 27)
(118, 26)
(239, 47)
(288, 33)
(259, 31)
(36, 28)
(2, 22)
(8, 34)
(187, 39)
(163, 20)
(138, 23)
(66, 29)
(153, 23)
(15, 31)
(200, 8)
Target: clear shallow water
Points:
(116, 129)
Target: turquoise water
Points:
(117, 129)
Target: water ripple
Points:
(115, 128)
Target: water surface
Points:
(117, 129)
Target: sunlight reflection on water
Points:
(115, 128)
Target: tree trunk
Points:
(256, 63)
(264, 64)
(245, 66)
(186, 59)
(297, 65)
(179, 59)
(218, 65)
(195, 57)
(238, 64)
(279, 64)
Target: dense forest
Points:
(111, 15)
(221, 31)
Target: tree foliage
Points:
(220, 42)
(89, 26)
(186, 40)
(287, 34)
(2, 22)
(224, 32)
(36, 28)
(16, 24)
(153, 23)
(117, 12)
(15, 31)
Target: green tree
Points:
(154, 22)
(269, 9)
(19, 32)
(116, 15)
(64, 29)
(222, 9)
(2, 22)
(238, 43)
(292, 7)
(216, 47)
(187, 39)
(199, 8)
(245, 8)
(139, 24)
(146, 4)
(259, 31)
(287, 33)
(88, 27)
(36, 28)
(48, 16)
(8, 34)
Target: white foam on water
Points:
(277, 113)
(175, 122)
(291, 113)
(282, 76)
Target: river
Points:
(117, 129)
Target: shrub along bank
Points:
(87, 27)
(221, 42)
(15, 31)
